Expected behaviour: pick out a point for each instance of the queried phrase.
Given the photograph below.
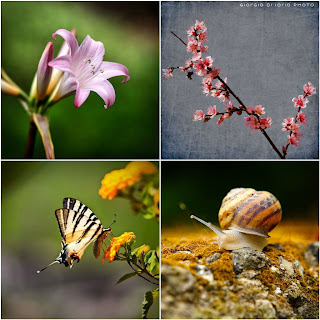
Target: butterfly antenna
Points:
(114, 220)
(55, 261)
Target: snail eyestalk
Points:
(209, 225)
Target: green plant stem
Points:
(139, 274)
(31, 139)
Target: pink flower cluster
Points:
(255, 121)
(203, 66)
(199, 114)
(293, 124)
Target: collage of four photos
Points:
(177, 141)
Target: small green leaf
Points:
(152, 262)
(126, 276)
(148, 256)
(138, 250)
(149, 298)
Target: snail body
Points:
(246, 217)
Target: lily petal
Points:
(113, 69)
(62, 63)
(57, 74)
(68, 85)
(44, 71)
(69, 38)
(90, 51)
(106, 91)
(81, 97)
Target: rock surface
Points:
(276, 283)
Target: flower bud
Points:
(44, 71)
(9, 88)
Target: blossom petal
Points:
(81, 97)
(69, 38)
(113, 69)
(62, 63)
(106, 91)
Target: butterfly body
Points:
(79, 227)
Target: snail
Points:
(246, 217)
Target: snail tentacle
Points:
(215, 229)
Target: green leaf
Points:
(148, 256)
(152, 261)
(149, 298)
(126, 276)
(138, 250)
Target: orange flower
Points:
(115, 245)
(121, 179)
(141, 167)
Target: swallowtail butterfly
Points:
(79, 227)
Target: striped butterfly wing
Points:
(78, 225)
(76, 205)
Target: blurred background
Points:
(31, 192)
(203, 185)
(129, 32)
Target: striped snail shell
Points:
(246, 217)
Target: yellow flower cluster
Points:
(116, 244)
(123, 178)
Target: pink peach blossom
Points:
(302, 118)
(265, 123)
(203, 37)
(309, 89)
(167, 73)
(192, 45)
(203, 65)
(198, 115)
(294, 138)
(200, 26)
(212, 111)
(287, 124)
(252, 122)
(301, 102)
(259, 110)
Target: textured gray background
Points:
(267, 53)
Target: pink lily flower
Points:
(84, 70)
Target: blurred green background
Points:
(202, 185)
(129, 32)
(31, 192)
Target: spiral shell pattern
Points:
(250, 211)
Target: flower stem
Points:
(31, 139)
